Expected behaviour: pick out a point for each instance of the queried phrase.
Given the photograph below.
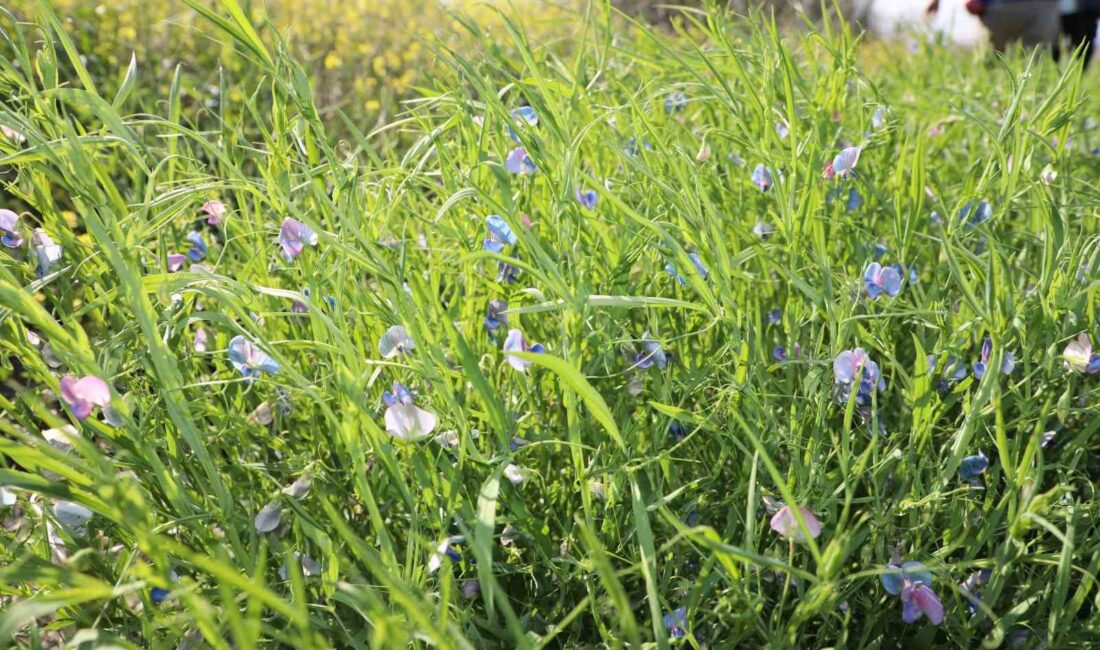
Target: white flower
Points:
(72, 516)
(516, 474)
(269, 518)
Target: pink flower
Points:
(200, 340)
(175, 261)
(84, 393)
(215, 211)
(785, 523)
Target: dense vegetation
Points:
(607, 336)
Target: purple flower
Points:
(847, 366)
(9, 226)
(404, 420)
(495, 316)
(782, 130)
(879, 279)
(198, 247)
(779, 353)
(587, 199)
(518, 162)
(84, 393)
(763, 230)
(1008, 363)
(47, 252)
(762, 178)
(249, 359)
(651, 355)
(175, 261)
(215, 212)
(294, 236)
(507, 272)
(912, 582)
(516, 343)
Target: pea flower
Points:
(9, 226)
(175, 261)
(1079, 357)
(975, 215)
(445, 549)
(515, 474)
(779, 353)
(847, 366)
(843, 164)
(855, 200)
(495, 316)
(972, 585)
(670, 268)
(879, 280)
(1008, 364)
(676, 622)
(269, 517)
(46, 250)
(394, 342)
(786, 524)
(675, 102)
(631, 149)
(404, 419)
(215, 212)
(500, 234)
(72, 516)
(249, 359)
(762, 178)
(12, 134)
(775, 316)
(971, 467)
(587, 199)
(518, 162)
(200, 340)
(782, 130)
(516, 343)
(878, 120)
(523, 117)
(911, 581)
(294, 236)
(84, 393)
(651, 355)
(763, 230)
(198, 247)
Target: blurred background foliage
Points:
(364, 56)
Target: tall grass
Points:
(622, 517)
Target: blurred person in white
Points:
(1034, 23)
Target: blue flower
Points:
(699, 267)
(632, 149)
(676, 622)
(587, 198)
(524, 116)
(249, 359)
(651, 355)
(761, 177)
(676, 431)
(9, 225)
(775, 316)
(198, 246)
(975, 215)
(972, 467)
(495, 316)
(779, 353)
(675, 102)
(500, 234)
(157, 595)
(880, 280)
(855, 199)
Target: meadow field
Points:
(499, 328)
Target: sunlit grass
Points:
(587, 498)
